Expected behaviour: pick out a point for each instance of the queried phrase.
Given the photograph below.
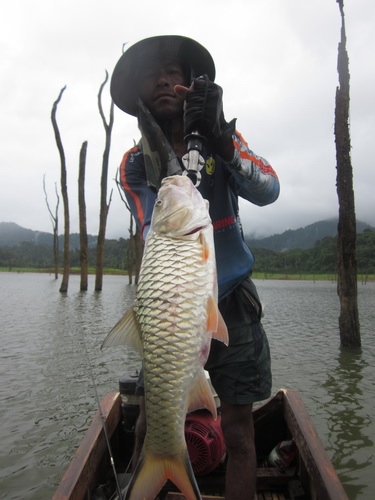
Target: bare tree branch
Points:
(64, 193)
(55, 225)
(104, 206)
(135, 249)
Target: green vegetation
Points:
(73, 270)
(364, 278)
(316, 263)
(29, 255)
(321, 259)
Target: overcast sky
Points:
(275, 59)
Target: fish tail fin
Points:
(180, 472)
(152, 472)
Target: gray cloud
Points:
(278, 73)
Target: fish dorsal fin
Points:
(215, 322)
(126, 332)
(201, 395)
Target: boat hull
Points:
(282, 417)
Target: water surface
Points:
(50, 341)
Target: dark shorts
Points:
(240, 372)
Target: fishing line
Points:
(102, 417)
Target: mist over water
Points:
(51, 343)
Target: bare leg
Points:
(140, 432)
(238, 430)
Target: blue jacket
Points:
(247, 175)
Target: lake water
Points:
(49, 341)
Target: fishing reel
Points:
(193, 161)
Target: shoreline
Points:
(361, 278)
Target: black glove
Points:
(204, 112)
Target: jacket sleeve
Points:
(140, 197)
(255, 179)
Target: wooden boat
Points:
(283, 417)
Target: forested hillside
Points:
(321, 259)
(12, 234)
(304, 237)
(30, 255)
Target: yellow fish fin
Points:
(126, 331)
(152, 472)
(215, 322)
(201, 395)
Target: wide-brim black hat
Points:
(124, 82)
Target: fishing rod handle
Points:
(193, 161)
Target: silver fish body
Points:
(171, 308)
(176, 313)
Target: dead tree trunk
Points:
(135, 253)
(104, 207)
(83, 241)
(347, 233)
(135, 248)
(64, 193)
(55, 226)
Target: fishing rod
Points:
(193, 160)
(103, 420)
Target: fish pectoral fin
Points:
(215, 322)
(201, 395)
(222, 331)
(126, 332)
(152, 472)
(205, 248)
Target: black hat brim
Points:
(124, 82)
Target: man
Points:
(158, 80)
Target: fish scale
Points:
(175, 342)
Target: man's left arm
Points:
(256, 180)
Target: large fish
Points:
(174, 318)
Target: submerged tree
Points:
(55, 225)
(104, 206)
(64, 193)
(346, 241)
(135, 248)
(83, 244)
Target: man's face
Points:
(157, 84)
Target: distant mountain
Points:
(303, 238)
(12, 234)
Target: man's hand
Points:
(203, 111)
(181, 91)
